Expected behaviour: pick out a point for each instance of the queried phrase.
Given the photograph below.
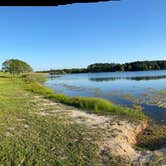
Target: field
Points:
(32, 139)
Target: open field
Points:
(29, 138)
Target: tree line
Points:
(113, 67)
(17, 67)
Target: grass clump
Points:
(37, 88)
(98, 106)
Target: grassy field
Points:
(27, 138)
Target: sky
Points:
(81, 34)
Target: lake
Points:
(144, 88)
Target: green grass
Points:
(30, 139)
(27, 138)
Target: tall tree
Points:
(16, 66)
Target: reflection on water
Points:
(124, 88)
(139, 78)
(52, 77)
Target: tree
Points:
(16, 66)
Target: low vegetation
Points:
(35, 77)
(153, 137)
(27, 138)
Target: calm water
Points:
(147, 89)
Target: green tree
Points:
(16, 66)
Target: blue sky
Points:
(80, 34)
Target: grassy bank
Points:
(31, 135)
(154, 137)
(90, 104)
(30, 138)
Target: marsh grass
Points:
(38, 77)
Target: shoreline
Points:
(141, 126)
(113, 67)
(114, 135)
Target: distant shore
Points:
(113, 67)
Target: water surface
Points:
(145, 88)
